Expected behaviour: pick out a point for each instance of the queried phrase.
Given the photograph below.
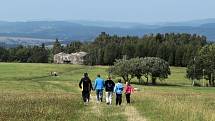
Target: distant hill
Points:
(193, 23)
(14, 41)
(88, 30)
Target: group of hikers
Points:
(110, 88)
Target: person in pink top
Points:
(128, 90)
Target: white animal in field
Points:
(54, 73)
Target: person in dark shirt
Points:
(109, 88)
(86, 86)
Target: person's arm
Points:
(95, 84)
(103, 83)
(132, 89)
(80, 83)
(113, 84)
(126, 88)
(91, 86)
(122, 88)
(114, 90)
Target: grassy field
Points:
(28, 92)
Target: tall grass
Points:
(180, 105)
(39, 106)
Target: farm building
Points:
(73, 58)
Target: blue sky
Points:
(143, 11)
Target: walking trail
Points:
(94, 107)
(133, 114)
(130, 111)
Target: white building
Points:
(73, 58)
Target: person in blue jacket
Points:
(118, 89)
(98, 86)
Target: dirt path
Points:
(129, 111)
(95, 108)
(133, 114)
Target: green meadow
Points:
(29, 92)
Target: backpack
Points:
(119, 89)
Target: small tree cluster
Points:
(203, 65)
(139, 67)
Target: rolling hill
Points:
(88, 30)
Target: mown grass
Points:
(41, 72)
(28, 92)
(36, 77)
(178, 77)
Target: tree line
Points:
(175, 48)
(37, 54)
(29, 54)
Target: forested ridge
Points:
(176, 48)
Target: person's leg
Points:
(87, 96)
(117, 99)
(97, 95)
(107, 97)
(110, 97)
(83, 96)
(126, 95)
(101, 95)
(120, 99)
(128, 98)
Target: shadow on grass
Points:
(158, 84)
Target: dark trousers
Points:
(118, 99)
(128, 98)
(99, 94)
(86, 95)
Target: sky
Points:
(141, 11)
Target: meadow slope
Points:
(28, 92)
